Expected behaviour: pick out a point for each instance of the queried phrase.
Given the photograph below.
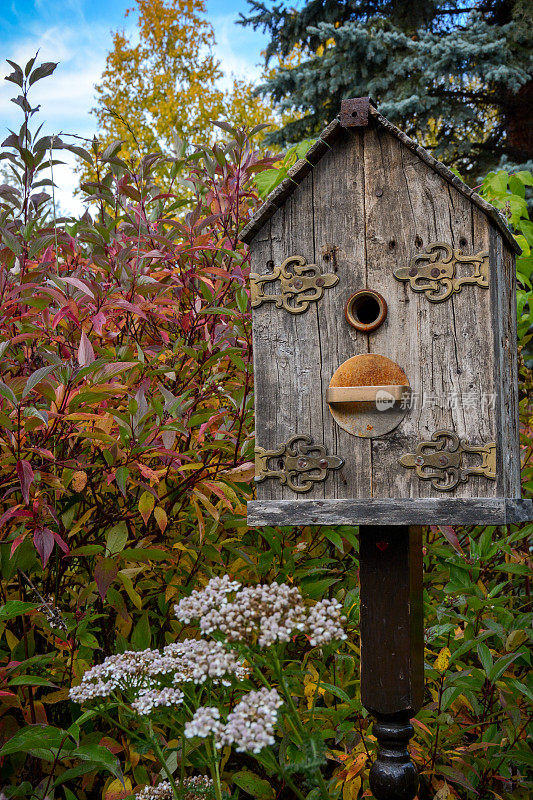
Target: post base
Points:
(393, 776)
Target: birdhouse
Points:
(384, 333)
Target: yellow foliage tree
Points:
(166, 85)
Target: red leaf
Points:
(98, 322)
(25, 473)
(61, 542)
(79, 285)
(85, 351)
(105, 573)
(16, 542)
(450, 535)
(64, 312)
(43, 540)
(17, 511)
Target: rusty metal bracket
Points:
(442, 460)
(354, 112)
(299, 463)
(434, 271)
(301, 284)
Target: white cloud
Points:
(81, 47)
(67, 97)
(237, 49)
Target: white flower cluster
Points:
(153, 698)
(272, 613)
(324, 622)
(205, 722)
(199, 602)
(199, 660)
(125, 671)
(142, 673)
(250, 726)
(161, 792)
(195, 787)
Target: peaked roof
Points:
(356, 113)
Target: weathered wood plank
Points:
(338, 206)
(441, 346)
(380, 511)
(392, 619)
(503, 308)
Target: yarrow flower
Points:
(271, 614)
(195, 787)
(145, 675)
(205, 722)
(249, 727)
(324, 622)
(153, 698)
(200, 602)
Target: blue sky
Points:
(77, 33)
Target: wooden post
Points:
(392, 650)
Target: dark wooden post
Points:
(392, 650)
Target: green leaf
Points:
(117, 538)
(35, 377)
(146, 504)
(241, 297)
(500, 666)
(335, 690)
(485, 657)
(334, 538)
(254, 785)
(102, 757)
(33, 737)
(14, 608)
(525, 176)
(142, 635)
(121, 476)
(30, 680)
(112, 149)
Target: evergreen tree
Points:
(456, 75)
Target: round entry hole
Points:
(366, 310)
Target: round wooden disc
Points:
(367, 419)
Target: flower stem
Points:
(215, 772)
(295, 717)
(161, 758)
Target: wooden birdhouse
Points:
(384, 329)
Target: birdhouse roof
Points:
(363, 112)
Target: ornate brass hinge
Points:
(442, 460)
(433, 271)
(299, 463)
(301, 285)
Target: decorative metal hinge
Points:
(301, 285)
(299, 463)
(442, 460)
(434, 271)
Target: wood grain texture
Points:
(442, 347)
(392, 619)
(428, 511)
(503, 308)
(365, 209)
(328, 137)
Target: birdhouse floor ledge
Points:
(391, 511)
